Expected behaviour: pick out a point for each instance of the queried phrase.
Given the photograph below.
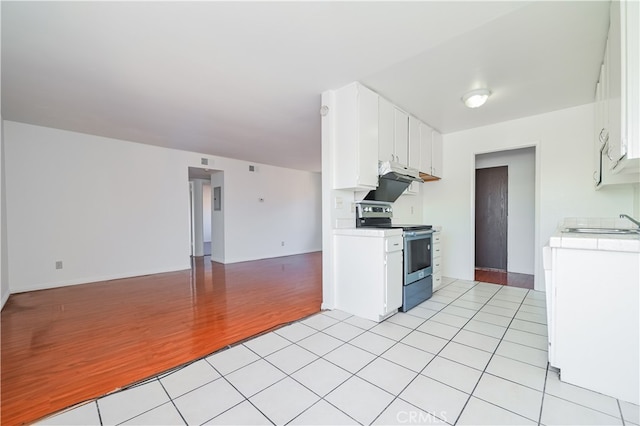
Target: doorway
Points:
(200, 203)
(505, 194)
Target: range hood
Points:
(394, 179)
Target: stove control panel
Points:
(374, 210)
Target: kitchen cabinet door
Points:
(617, 130)
(426, 137)
(436, 155)
(368, 273)
(414, 143)
(393, 282)
(401, 136)
(356, 136)
(386, 133)
(614, 60)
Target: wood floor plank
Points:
(66, 345)
(512, 279)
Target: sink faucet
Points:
(622, 216)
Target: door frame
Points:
(538, 277)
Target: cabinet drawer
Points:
(436, 250)
(437, 265)
(436, 280)
(436, 237)
(393, 243)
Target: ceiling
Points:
(243, 79)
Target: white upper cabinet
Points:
(430, 153)
(415, 148)
(401, 139)
(425, 133)
(386, 135)
(356, 138)
(630, 86)
(393, 133)
(617, 120)
(436, 154)
(613, 60)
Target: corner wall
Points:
(4, 254)
(111, 208)
(564, 168)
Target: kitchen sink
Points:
(617, 231)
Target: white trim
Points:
(91, 280)
(5, 297)
(250, 259)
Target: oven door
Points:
(417, 255)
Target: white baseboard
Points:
(5, 297)
(248, 259)
(93, 279)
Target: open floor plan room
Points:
(475, 353)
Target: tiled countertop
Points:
(608, 242)
(368, 232)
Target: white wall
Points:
(4, 260)
(520, 205)
(4, 253)
(267, 207)
(217, 220)
(408, 209)
(83, 200)
(564, 167)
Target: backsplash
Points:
(596, 222)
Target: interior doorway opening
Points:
(505, 217)
(205, 210)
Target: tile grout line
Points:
(173, 402)
(99, 415)
(620, 409)
(544, 393)
(222, 376)
(431, 360)
(321, 398)
(484, 371)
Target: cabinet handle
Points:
(603, 137)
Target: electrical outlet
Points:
(282, 244)
(58, 264)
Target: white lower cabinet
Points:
(593, 311)
(437, 261)
(368, 272)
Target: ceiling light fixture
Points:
(476, 98)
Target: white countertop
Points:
(607, 242)
(368, 232)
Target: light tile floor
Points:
(474, 354)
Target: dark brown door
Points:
(491, 218)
